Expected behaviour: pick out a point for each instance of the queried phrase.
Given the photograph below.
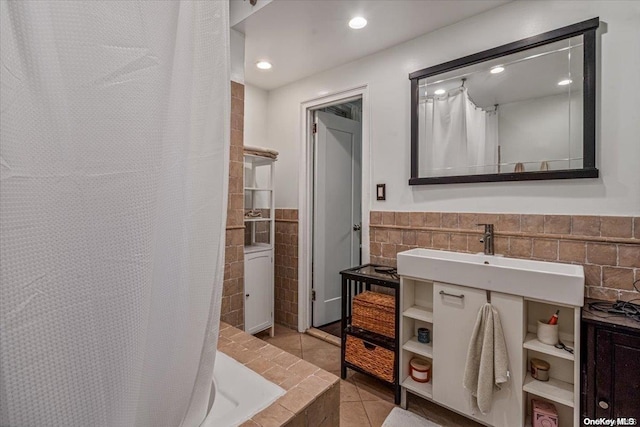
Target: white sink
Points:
(546, 281)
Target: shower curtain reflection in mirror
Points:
(456, 136)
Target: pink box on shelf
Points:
(544, 414)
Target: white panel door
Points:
(507, 407)
(337, 209)
(258, 286)
(453, 322)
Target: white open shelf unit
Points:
(531, 343)
(417, 312)
(563, 387)
(422, 389)
(259, 174)
(554, 390)
(416, 347)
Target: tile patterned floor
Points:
(363, 401)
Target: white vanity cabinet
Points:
(431, 298)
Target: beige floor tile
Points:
(352, 414)
(350, 374)
(377, 411)
(309, 342)
(443, 416)
(283, 330)
(326, 358)
(371, 389)
(348, 392)
(416, 410)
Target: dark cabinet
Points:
(611, 367)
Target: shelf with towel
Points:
(416, 347)
(257, 219)
(531, 343)
(555, 390)
(419, 313)
(257, 189)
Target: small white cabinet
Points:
(259, 216)
(258, 279)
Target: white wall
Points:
(236, 42)
(255, 116)
(548, 128)
(616, 192)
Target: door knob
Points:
(357, 227)
(603, 404)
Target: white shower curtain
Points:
(457, 137)
(113, 182)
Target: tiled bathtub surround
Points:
(233, 291)
(607, 246)
(313, 395)
(286, 268)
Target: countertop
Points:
(590, 315)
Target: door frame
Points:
(305, 190)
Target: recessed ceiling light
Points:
(439, 92)
(358, 22)
(565, 82)
(496, 70)
(263, 65)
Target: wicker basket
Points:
(375, 312)
(373, 359)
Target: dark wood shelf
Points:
(355, 281)
(362, 371)
(371, 337)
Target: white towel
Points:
(260, 151)
(487, 359)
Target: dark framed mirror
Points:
(522, 111)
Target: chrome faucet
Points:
(487, 238)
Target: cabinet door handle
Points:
(443, 293)
(246, 295)
(603, 404)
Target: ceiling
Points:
(304, 37)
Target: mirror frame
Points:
(585, 28)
